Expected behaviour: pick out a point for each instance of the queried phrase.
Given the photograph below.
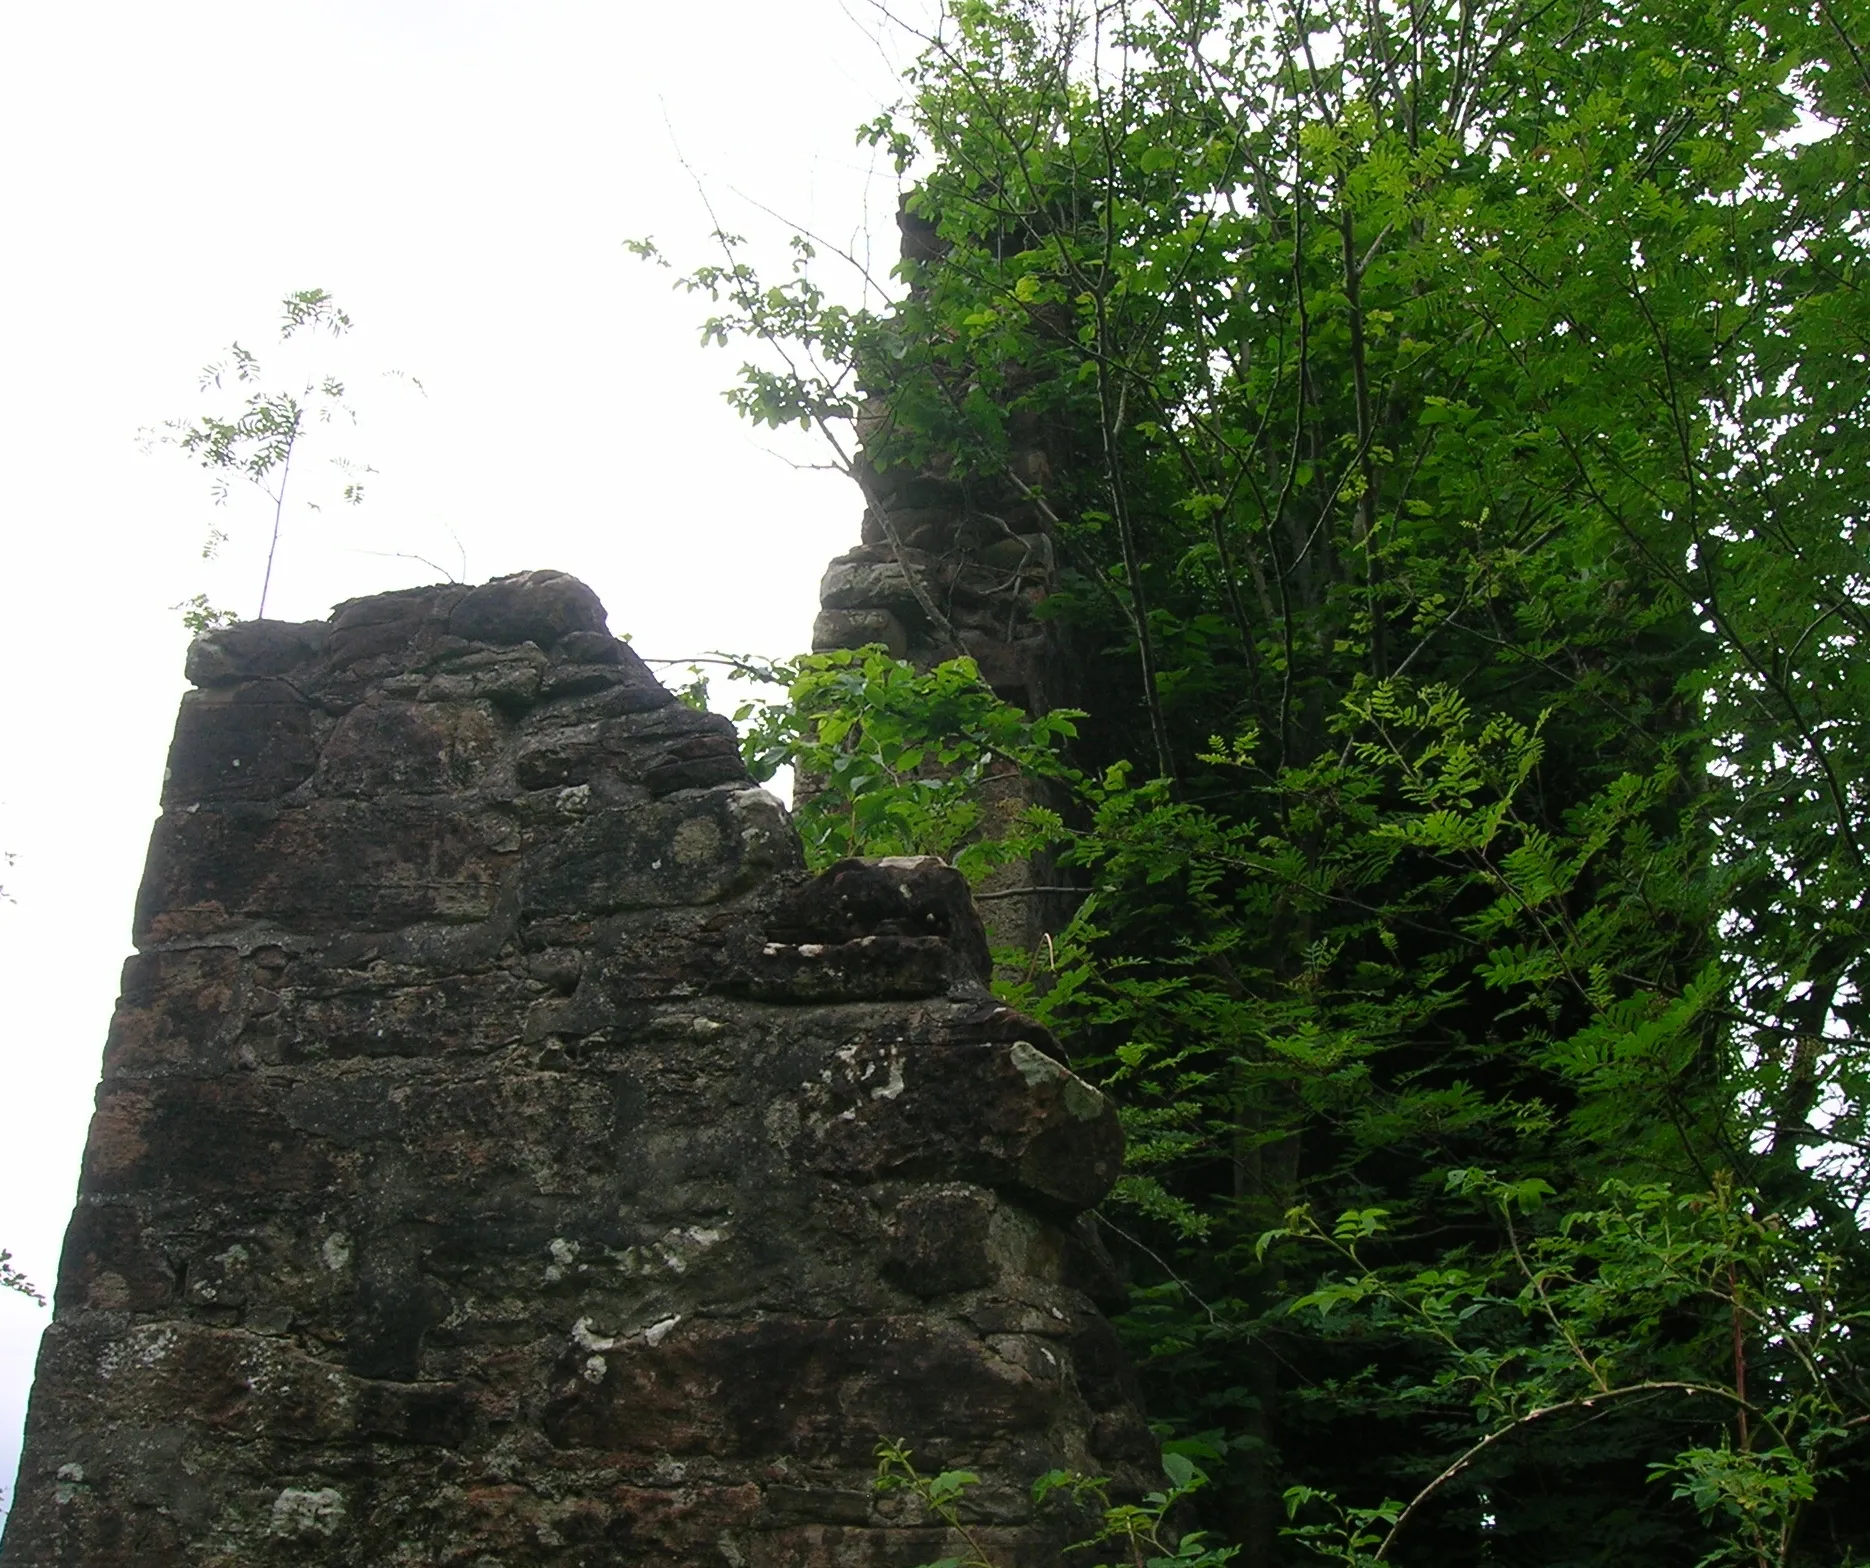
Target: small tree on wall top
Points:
(260, 441)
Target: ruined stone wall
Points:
(980, 552)
(985, 579)
(505, 1154)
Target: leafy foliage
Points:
(1455, 432)
(1573, 1318)
(12, 1279)
(256, 441)
(893, 761)
(1140, 1531)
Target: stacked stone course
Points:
(506, 1154)
(982, 557)
(953, 564)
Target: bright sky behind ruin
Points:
(461, 175)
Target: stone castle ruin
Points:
(507, 1154)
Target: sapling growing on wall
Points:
(261, 441)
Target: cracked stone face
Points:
(505, 1153)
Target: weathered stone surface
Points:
(871, 578)
(506, 1154)
(860, 628)
(537, 607)
(980, 551)
(253, 649)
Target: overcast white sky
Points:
(460, 174)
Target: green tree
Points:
(258, 440)
(1456, 424)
